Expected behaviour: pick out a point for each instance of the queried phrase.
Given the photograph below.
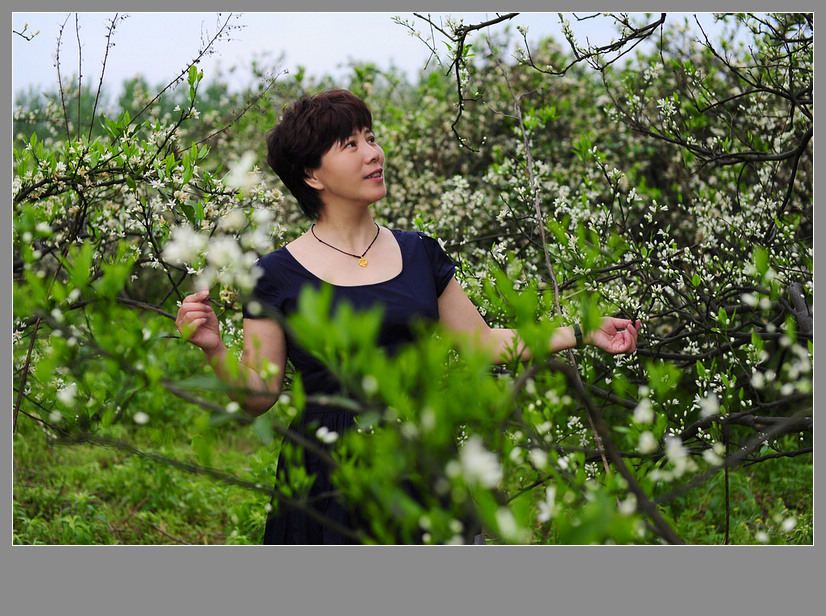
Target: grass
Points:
(89, 494)
(94, 495)
(768, 503)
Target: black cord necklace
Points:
(362, 260)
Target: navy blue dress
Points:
(407, 298)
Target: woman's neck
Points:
(346, 230)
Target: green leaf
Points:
(80, 265)
(263, 428)
(189, 212)
(761, 260)
(115, 272)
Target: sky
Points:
(159, 45)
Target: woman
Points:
(325, 153)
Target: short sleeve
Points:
(441, 265)
(265, 294)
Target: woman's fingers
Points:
(623, 334)
(192, 320)
(197, 297)
(194, 311)
(634, 331)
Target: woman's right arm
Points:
(257, 379)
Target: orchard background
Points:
(666, 176)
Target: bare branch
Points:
(25, 33)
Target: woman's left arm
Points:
(459, 314)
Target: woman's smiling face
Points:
(351, 171)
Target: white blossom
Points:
(234, 220)
(67, 394)
(758, 380)
(242, 175)
(325, 435)
(263, 216)
(539, 458)
(677, 454)
(647, 443)
(709, 405)
(186, 245)
(547, 507)
(643, 413)
(629, 505)
(508, 526)
(369, 384)
(711, 456)
(478, 464)
(666, 107)
(223, 252)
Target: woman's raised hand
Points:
(198, 322)
(616, 335)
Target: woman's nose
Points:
(372, 152)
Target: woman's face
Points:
(351, 171)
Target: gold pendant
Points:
(362, 262)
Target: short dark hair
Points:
(308, 128)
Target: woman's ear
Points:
(311, 180)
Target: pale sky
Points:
(160, 45)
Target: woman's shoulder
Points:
(417, 240)
(278, 273)
(407, 232)
(279, 267)
(411, 236)
(276, 257)
(425, 255)
(427, 246)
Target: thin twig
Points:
(540, 223)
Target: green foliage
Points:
(676, 189)
(88, 494)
